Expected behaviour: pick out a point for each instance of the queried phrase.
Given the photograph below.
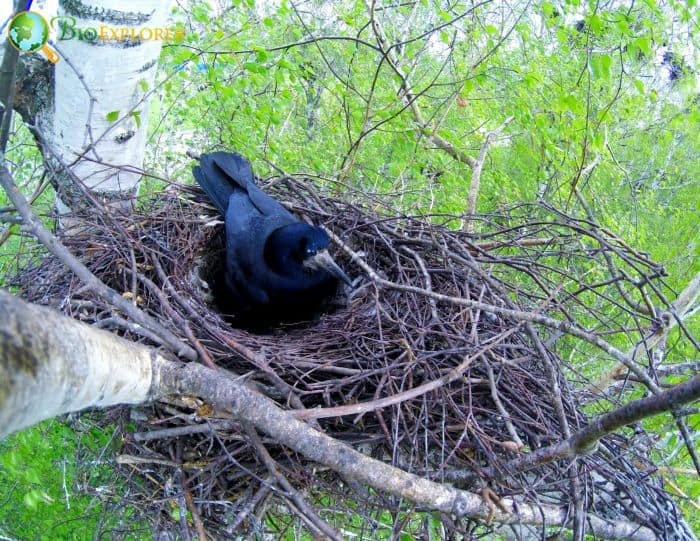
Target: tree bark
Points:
(53, 365)
(90, 110)
(98, 79)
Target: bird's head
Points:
(305, 245)
(313, 251)
(312, 240)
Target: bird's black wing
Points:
(244, 246)
(237, 168)
(247, 231)
(218, 184)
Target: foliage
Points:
(24, 160)
(57, 483)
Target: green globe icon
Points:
(29, 32)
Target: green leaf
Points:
(137, 118)
(623, 26)
(112, 116)
(599, 66)
(35, 496)
(254, 67)
(30, 499)
(446, 16)
(200, 14)
(182, 56)
(644, 44)
(261, 54)
(595, 23)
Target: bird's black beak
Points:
(323, 260)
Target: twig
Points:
(259, 496)
(506, 416)
(179, 431)
(475, 180)
(409, 96)
(426, 279)
(584, 441)
(199, 526)
(89, 279)
(552, 323)
(306, 512)
(363, 407)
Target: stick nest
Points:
(432, 386)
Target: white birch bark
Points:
(50, 365)
(116, 76)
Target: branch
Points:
(476, 175)
(379, 403)
(7, 91)
(585, 441)
(411, 99)
(81, 271)
(633, 304)
(304, 510)
(681, 308)
(59, 364)
(50, 365)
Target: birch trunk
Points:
(94, 79)
(50, 365)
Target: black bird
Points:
(277, 267)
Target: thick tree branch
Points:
(50, 365)
(7, 90)
(43, 354)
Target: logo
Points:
(66, 29)
(28, 32)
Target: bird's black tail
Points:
(220, 174)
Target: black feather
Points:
(267, 273)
